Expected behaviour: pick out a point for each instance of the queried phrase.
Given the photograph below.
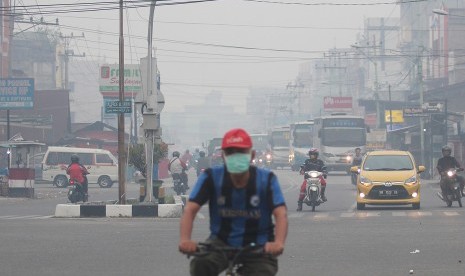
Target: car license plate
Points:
(388, 193)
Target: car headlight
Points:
(365, 181)
(411, 181)
(348, 158)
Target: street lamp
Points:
(357, 47)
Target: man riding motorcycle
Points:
(446, 163)
(178, 168)
(203, 163)
(78, 172)
(356, 161)
(312, 164)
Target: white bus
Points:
(336, 136)
(301, 142)
(280, 146)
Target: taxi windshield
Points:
(388, 163)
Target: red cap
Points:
(236, 138)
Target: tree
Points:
(137, 156)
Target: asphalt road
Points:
(335, 240)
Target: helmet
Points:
(446, 148)
(202, 154)
(176, 154)
(74, 158)
(313, 151)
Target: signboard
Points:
(376, 140)
(414, 112)
(337, 103)
(16, 93)
(397, 116)
(433, 107)
(118, 107)
(109, 78)
(370, 119)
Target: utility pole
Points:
(378, 115)
(422, 121)
(69, 53)
(121, 148)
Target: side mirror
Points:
(354, 169)
(421, 169)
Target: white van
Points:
(101, 164)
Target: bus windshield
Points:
(303, 136)
(280, 139)
(343, 137)
(260, 142)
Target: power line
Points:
(337, 4)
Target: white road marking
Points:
(399, 214)
(451, 214)
(373, 214)
(347, 215)
(200, 216)
(23, 217)
(42, 217)
(4, 217)
(296, 215)
(324, 215)
(420, 214)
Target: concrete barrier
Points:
(116, 210)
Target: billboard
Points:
(17, 93)
(337, 103)
(109, 79)
(397, 116)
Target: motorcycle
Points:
(180, 183)
(454, 191)
(313, 190)
(76, 191)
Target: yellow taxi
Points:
(388, 178)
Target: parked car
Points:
(388, 178)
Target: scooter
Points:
(454, 191)
(76, 191)
(313, 190)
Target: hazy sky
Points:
(283, 35)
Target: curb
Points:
(116, 210)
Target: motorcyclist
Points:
(187, 158)
(196, 154)
(356, 161)
(312, 164)
(78, 173)
(203, 163)
(446, 163)
(178, 168)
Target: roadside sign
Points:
(17, 93)
(118, 107)
(337, 103)
(414, 112)
(397, 116)
(433, 107)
